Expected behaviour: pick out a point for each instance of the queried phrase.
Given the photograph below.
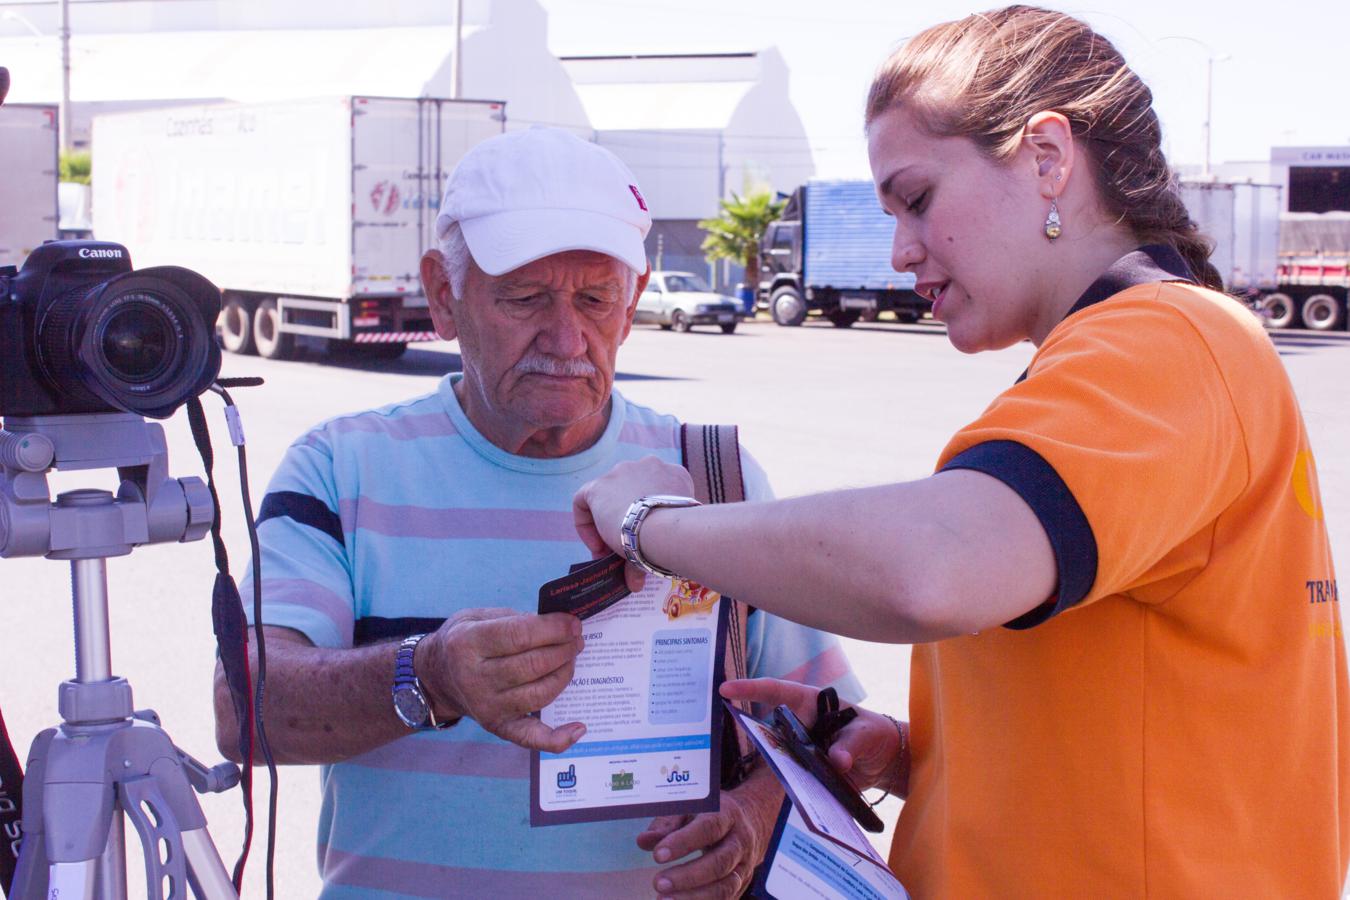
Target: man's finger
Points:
(509, 636)
(634, 577)
(658, 829)
(532, 697)
(533, 734)
(507, 672)
(585, 523)
(701, 833)
(707, 872)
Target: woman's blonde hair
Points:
(984, 76)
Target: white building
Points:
(695, 128)
(134, 55)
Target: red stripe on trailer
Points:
(394, 337)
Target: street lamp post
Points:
(66, 141)
(1210, 60)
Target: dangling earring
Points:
(1053, 227)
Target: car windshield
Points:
(681, 284)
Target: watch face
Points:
(411, 707)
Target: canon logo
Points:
(94, 253)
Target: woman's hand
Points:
(867, 749)
(599, 507)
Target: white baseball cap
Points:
(528, 194)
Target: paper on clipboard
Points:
(801, 865)
(824, 815)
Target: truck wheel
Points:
(1321, 312)
(236, 326)
(787, 306)
(1279, 311)
(679, 321)
(272, 343)
(843, 318)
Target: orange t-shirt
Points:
(1176, 721)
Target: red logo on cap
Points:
(642, 204)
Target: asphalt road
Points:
(820, 408)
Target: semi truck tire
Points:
(1279, 311)
(236, 325)
(787, 306)
(271, 341)
(1321, 312)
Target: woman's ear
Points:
(1048, 148)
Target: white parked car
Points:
(681, 300)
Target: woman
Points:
(1129, 677)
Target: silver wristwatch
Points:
(410, 701)
(632, 524)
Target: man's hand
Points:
(867, 749)
(497, 666)
(599, 507)
(733, 841)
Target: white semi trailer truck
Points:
(29, 171)
(311, 216)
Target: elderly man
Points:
(380, 525)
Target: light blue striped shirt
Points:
(407, 511)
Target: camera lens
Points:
(137, 341)
(142, 342)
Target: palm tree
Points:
(736, 233)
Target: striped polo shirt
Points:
(408, 511)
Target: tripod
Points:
(105, 760)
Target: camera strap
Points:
(11, 809)
(231, 625)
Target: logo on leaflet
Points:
(676, 775)
(622, 781)
(568, 778)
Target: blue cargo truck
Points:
(830, 252)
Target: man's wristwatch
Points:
(632, 524)
(410, 701)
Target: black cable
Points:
(259, 686)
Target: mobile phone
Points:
(798, 742)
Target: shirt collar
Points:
(1149, 264)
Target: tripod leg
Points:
(30, 879)
(206, 872)
(161, 839)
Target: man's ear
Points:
(1048, 147)
(436, 284)
(632, 306)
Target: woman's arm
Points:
(919, 561)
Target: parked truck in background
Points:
(1292, 268)
(830, 252)
(29, 171)
(311, 216)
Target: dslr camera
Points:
(81, 332)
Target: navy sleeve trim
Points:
(301, 508)
(1036, 482)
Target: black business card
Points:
(587, 589)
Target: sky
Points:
(1281, 75)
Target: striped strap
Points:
(712, 454)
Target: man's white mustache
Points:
(547, 365)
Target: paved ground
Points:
(820, 407)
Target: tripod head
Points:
(150, 506)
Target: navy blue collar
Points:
(1150, 263)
